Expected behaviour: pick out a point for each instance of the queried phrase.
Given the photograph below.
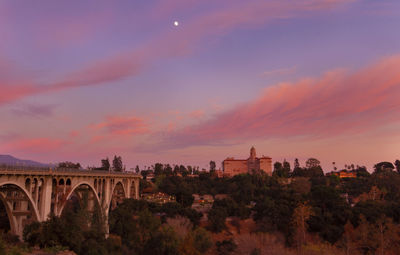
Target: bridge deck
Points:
(16, 170)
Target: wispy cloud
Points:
(117, 125)
(33, 145)
(34, 110)
(280, 71)
(181, 41)
(335, 103)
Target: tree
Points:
(348, 242)
(281, 170)
(163, 241)
(185, 198)
(168, 170)
(212, 166)
(277, 166)
(117, 164)
(202, 240)
(158, 169)
(296, 164)
(68, 164)
(301, 215)
(176, 170)
(226, 247)
(277, 169)
(362, 172)
(216, 218)
(312, 162)
(183, 171)
(388, 234)
(190, 169)
(77, 228)
(105, 164)
(383, 167)
(331, 212)
(397, 164)
(286, 166)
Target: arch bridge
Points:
(32, 194)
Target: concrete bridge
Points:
(31, 194)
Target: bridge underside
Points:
(29, 197)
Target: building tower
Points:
(252, 153)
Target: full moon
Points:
(176, 23)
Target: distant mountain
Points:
(10, 160)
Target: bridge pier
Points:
(33, 194)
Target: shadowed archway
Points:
(118, 196)
(18, 206)
(82, 196)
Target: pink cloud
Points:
(116, 125)
(178, 42)
(197, 114)
(15, 92)
(336, 103)
(33, 145)
(74, 133)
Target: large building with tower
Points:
(233, 166)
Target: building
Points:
(160, 198)
(344, 174)
(233, 166)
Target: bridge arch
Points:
(11, 220)
(115, 197)
(74, 188)
(26, 193)
(119, 184)
(16, 225)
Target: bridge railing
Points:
(23, 168)
(19, 168)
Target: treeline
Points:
(135, 227)
(312, 212)
(168, 170)
(361, 214)
(116, 165)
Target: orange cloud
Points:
(336, 103)
(197, 114)
(116, 125)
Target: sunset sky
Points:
(84, 80)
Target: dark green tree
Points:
(117, 164)
(383, 167)
(397, 164)
(330, 213)
(68, 164)
(286, 166)
(212, 166)
(158, 169)
(312, 162)
(202, 240)
(216, 218)
(296, 164)
(226, 247)
(105, 164)
(281, 170)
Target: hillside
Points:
(10, 160)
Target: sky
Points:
(84, 80)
